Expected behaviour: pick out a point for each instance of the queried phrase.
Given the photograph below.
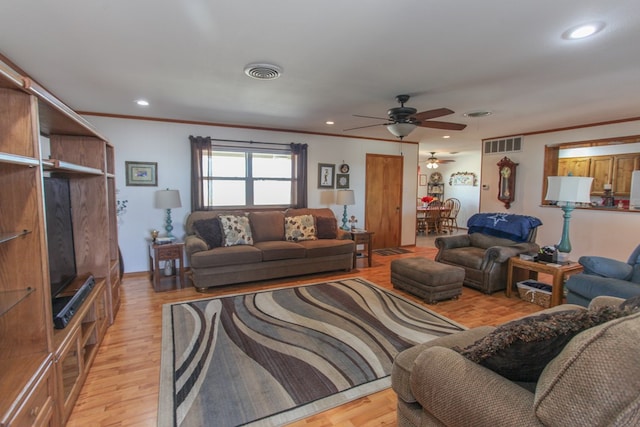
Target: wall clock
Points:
(506, 181)
(435, 177)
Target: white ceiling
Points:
(186, 57)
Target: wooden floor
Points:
(122, 386)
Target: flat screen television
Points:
(62, 257)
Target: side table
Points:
(559, 273)
(166, 252)
(362, 238)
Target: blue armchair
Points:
(604, 276)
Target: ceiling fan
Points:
(401, 121)
(433, 161)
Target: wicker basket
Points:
(536, 292)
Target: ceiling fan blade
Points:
(445, 161)
(432, 114)
(368, 126)
(371, 117)
(442, 125)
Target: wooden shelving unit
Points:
(42, 369)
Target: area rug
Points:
(275, 356)
(391, 251)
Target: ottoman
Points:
(428, 279)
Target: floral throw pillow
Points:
(298, 228)
(237, 230)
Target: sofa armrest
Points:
(458, 391)
(343, 234)
(605, 301)
(193, 244)
(452, 242)
(590, 286)
(501, 254)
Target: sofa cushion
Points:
(520, 350)
(274, 250)
(328, 247)
(606, 267)
(237, 230)
(595, 379)
(210, 231)
(485, 241)
(224, 256)
(327, 227)
(299, 228)
(267, 226)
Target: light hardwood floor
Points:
(122, 386)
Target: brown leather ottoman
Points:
(427, 279)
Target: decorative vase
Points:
(168, 268)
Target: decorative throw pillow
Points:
(520, 350)
(209, 230)
(237, 230)
(631, 304)
(298, 228)
(327, 228)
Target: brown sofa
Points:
(594, 380)
(268, 255)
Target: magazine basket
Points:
(536, 292)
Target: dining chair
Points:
(450, 216)
(433, 216)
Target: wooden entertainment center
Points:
(42, 369)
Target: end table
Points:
(166, 252)
(362, 238)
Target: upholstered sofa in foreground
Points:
(591, 380)
(236, 247)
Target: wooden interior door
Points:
(383, 199)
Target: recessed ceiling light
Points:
(582, 31)
(476, 114)
(446, 137)
(142, 102)
(329, 122)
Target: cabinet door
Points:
(600, 170)
(623, 166)
(576, 166)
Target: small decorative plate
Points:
(344, 168)
(436, 177)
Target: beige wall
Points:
(606, 233)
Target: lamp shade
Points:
(168, 199)
(401, 129)
(572, 189)
(345, 197)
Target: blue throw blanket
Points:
(509, 226)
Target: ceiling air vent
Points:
(263, 71)
(503, 145)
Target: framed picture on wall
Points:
(142, 173)
(326, 172)
(342, 180)
(423, 180)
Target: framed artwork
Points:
(326, 172)
(342, 180)
(423, 180)
(142, 173)
(463, 178)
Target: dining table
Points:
(423, 225)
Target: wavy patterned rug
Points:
(272, 357)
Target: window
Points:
(231, 175)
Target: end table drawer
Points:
(170, 252)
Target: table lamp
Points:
(345, 197)
(567, 191)
(168, 199)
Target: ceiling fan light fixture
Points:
(432, 165)
(401, 129)
(263, 71)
